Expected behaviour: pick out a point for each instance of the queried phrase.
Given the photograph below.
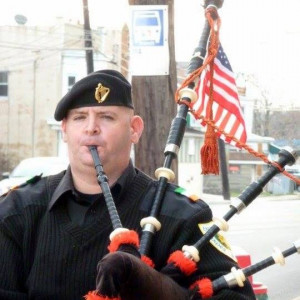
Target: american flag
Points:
(227, 112)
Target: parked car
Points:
(30, 167)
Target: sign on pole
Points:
(149, 49)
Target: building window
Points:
(189, 150)
(3, 84)
(71, 81)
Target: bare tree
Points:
(268, 120)
(285, 125)
(262, 108)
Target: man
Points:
(54, 232)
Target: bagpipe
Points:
(183, 262)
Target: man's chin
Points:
(85, 160)
(88, 161)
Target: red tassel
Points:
(127, 237)
(185, 265)
(94, 296)
(209, 153)
(148, 261)
(205, 288)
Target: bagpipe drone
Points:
(183, 262)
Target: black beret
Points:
(100, 88)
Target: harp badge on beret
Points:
(101, 93)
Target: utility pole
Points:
(125, 51)
(153, 98)
(88, 38)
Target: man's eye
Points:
(107, 117)
(78, 118)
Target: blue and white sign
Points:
(149, 40)
(148, 27)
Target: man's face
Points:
(111, 128)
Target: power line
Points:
(57, 47)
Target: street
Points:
(267, 223)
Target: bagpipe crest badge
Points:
(183, 191)
(218, 241)
(101, 93)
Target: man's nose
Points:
(92, 126)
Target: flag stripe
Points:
(218, 112)
(226, 85)
(227, 73)
(234, 128)
(230, 106)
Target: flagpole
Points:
(224, 170)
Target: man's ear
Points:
(137, 127)
(63, 130)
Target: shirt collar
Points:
(66, 185)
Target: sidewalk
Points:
(218, 199)
(269, 221)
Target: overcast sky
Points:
(260, 37)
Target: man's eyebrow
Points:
(108, 112)
(83, 112)
(77, 111)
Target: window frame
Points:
(69, 86)
(5, 84)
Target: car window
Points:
(32, 167)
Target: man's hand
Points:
(122, 274)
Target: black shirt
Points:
(82, 206)
(45, 255)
